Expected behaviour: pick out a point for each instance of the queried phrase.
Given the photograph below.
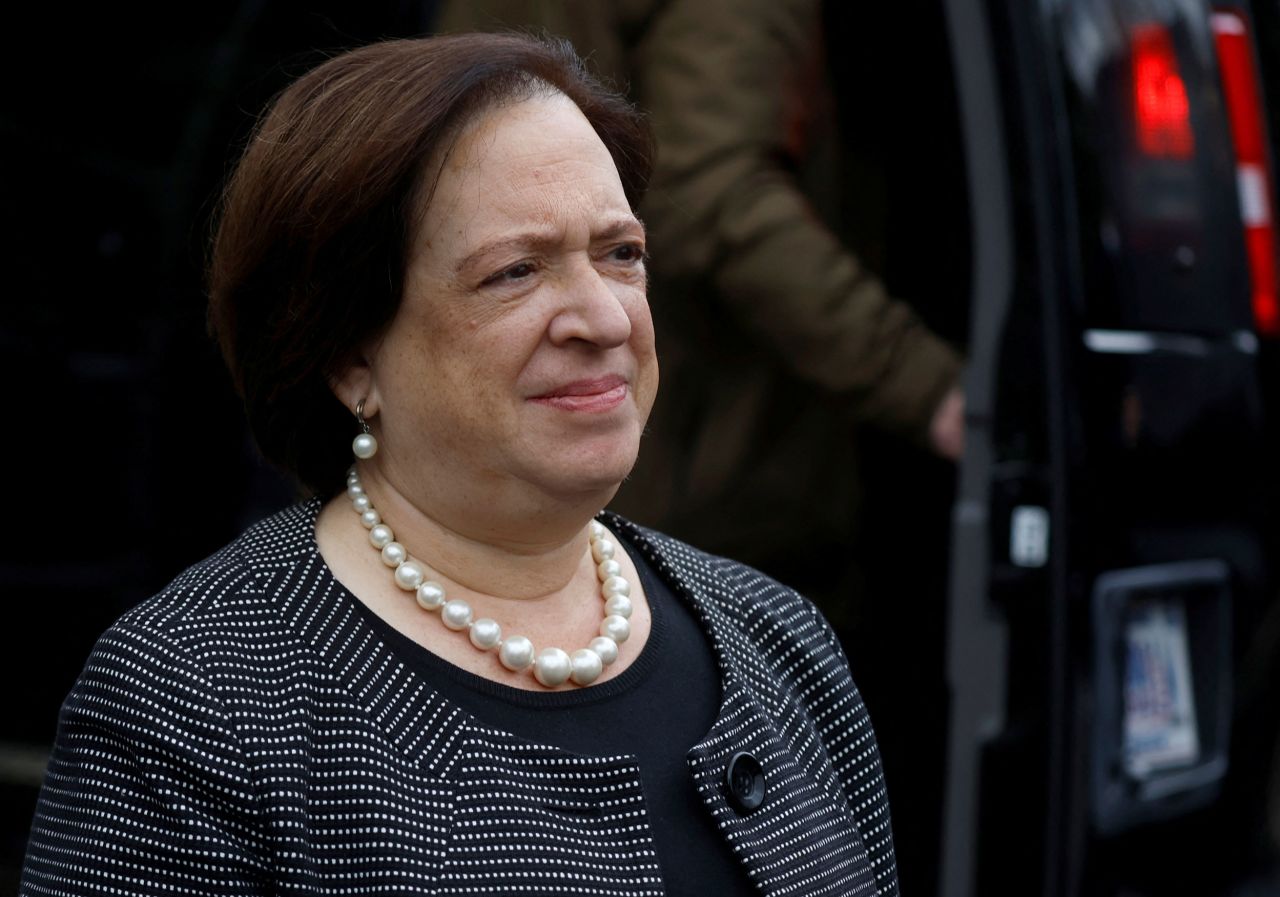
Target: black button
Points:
(745, 778)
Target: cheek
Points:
(644, 349)
(642, 337)
(488, 359)
(420, 368)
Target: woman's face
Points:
(522, 354)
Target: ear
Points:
(356, 382)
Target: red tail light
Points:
(1253, 169)
(1161, 110)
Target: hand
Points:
(946, 430)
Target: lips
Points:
(595, 395)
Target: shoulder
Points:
(160, 666)
(734, 586)
(765, 617)
(150, 702)
(218, 621)
(724, 578)
(234, 587)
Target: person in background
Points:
(780, 343)
(447, 670)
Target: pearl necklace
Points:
(550, 666)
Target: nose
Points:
(593, 310)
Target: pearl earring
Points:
(364, 446)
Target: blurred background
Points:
(1069, 639)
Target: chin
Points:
(595, 471)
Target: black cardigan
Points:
(247, 732)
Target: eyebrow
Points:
(541, 238)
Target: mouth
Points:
(592, 396)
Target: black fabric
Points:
(661, 706)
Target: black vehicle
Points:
(1111, 550)
(1093, 706)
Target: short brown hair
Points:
(309, 254)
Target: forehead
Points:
(537, 161)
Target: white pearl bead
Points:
(394, 554)
(602, 550)
(605, 648)
(616, 628)
(485, 633)
(361, 503)
(381, 536)
(364, 446)
(409, 575)
(430, 595)
(516, 653)
(597, 529)
(370, 518)
(354, 490)
(615, 585)
(587, 666)
(608, 568)
(552, 667)
(456, 614)
(619, 605)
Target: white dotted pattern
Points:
(246, 732)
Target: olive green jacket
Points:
(773, 339)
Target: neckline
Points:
(425, 663)
(430, 729)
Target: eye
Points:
(628, 252)
(516, 272)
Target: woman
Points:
(441, 675)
